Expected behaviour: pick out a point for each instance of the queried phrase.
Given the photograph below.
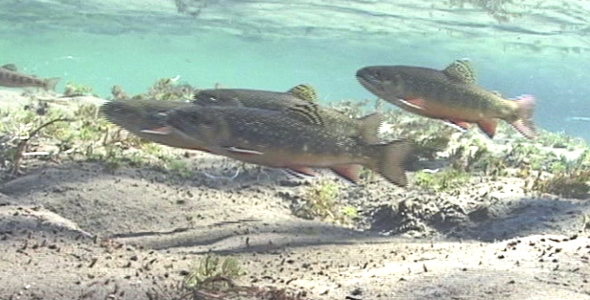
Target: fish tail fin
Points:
(526, 108)
(370, 125)
(391, 162)
(50, 83)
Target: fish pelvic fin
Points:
(351, 173)
(50, 83)
(526, 109)
(488, 127)
(391, 162)
(304, 92)
(370, 125)
(301, 172)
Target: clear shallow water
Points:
(136, 51)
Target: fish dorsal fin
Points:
(10, 67)
(370, 127)
(308, 112)
(461, 70)
(304, 92)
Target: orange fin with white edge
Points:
(462, 125)
(165, 130)
(352, 173)
(243, 151)
(417, 103)
(526, 109)
(488, 127)
(298, 171)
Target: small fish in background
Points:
(280, 139)
(139, 116)
(303, 97)
(10, 77)
(450, 94)
(300, 94)
(583, 119)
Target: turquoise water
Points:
(103, 51)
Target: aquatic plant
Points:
(574, 184)
(214, 279)
(169, 89)
(321, 201)
(118, 93)
(75, 89)
(211, 267)
(72, 131)
(441, 180)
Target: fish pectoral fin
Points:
(489, 127)
(304, 92)
(238, 150)
(417, 103)
(351, 173)
(165, 130)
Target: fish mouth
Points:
(368, 81)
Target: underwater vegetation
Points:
(163, 89)
(44, 134)
(73, 89)
(574, 184)
(320, 201)
(170, 89)
(214, 277)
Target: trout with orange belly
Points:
(451, 95)
(281, 139)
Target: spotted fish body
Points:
(450, 94)
(299, 97)
(280, 140)
(142, 115)
(10, 77)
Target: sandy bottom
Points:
(75, 230)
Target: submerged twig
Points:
(22, 144)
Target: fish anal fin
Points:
(370, 127)
(460, 123)
(243, 151)
(488, 127)
(351, 173)
(304, 92)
